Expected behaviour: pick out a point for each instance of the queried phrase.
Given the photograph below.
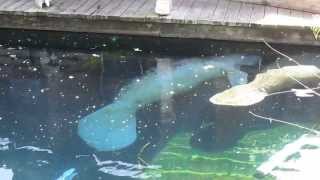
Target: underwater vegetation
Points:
(178, 160)
(113, 127)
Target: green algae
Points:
(178, 160)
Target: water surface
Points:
(49, 82)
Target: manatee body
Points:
(113, 127)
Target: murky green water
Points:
(88, 106)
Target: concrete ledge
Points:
(238, 32)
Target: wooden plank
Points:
(183, 10)
(87, 6)
(62, 6)
(151, 11)
(284, 17)
(125, 4)
(177, 7)
(220, 11)
(2, 2)
(74, 6)
(208, 10)
(315, 20)
(147, 10)
(307, 15)
(271, 11)
(283, 12)
(271, 16)
(232, 12)
(298, 17)
(16, 5)
(131, 11)
(30, 7)
(56, 7)
(308, 18)
(33, 9)
(106, 11)
(25, 7)
(96, 8)
(8, 3)
(245, 13)
(196, 9)
(257, 14)
(300, 5)
(297, 14)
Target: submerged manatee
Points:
(113, 127)
(272, 81)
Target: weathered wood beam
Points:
(161, 28)
(305, 5)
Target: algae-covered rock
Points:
(178, 160)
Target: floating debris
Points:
(4, 144)
(68, 175)
(137, 49)
(71, 77)
(36, 149)
(96, 55)
(123, 169)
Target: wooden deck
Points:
(210, 19)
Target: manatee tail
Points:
(110, 128)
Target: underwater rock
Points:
(271, 81)
(113, 127)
